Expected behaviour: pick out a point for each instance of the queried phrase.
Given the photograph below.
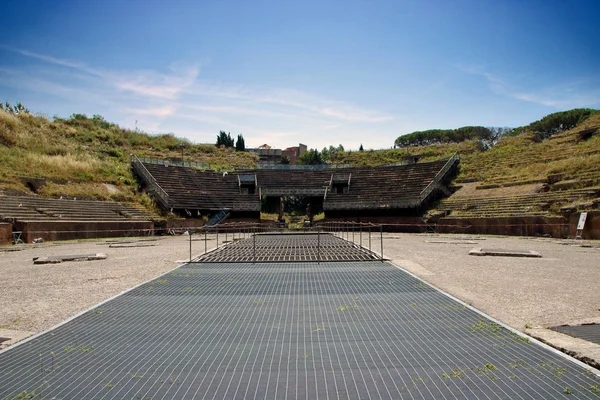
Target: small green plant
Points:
(559, 372)
(99, 312)
(517, 364)
(491, 367)
(566, 390)
(136, 376)
(82, 348)
(22, 396)
(527, 326)
(110, 385)
(594, 388)
(413, 304)
(483, 325)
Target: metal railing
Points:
(355, 232)
(161, 196)
(361, 235)
(302, 167)
(439, 176)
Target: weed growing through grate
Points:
(456, 373)
(567, 390)
(347, 307)
(595, 388)
(517, 364)
(413, 304)
(187, 290)
(162, 281)
(82, 348)
(483, 325)
(319, 329)
(22, 396)
(99, 311)
(487, 371)
(136, 376)
(109, 385)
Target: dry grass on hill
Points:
(79, 154)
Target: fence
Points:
(362, 237)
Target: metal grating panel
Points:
(590, 332)
(343, 330)
(290, 247)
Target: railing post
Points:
(217, 237)
(381, 237)
(254, 248)
(360, 234)
(369, 237)
(318, 246)
(205, 241)
(190, 235)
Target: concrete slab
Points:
(121, 246)
(13, 337)
(451, 241)
(505, 253)
(72, 257)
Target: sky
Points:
(320, 72)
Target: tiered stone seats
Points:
(192, 189)
(398, 186)
(29, 208)
(385, 187)
(525, 205)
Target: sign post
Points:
(581, 225)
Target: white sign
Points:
(582, 218)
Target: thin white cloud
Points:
(562, 95)
(157, 111)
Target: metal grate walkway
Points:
(590, 332)
(340, 330)
(290, 247)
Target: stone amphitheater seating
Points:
(29, 208)
(370, 188)
(385, 187)
(529, 205)
(192, 189)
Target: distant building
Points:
(294, 153)
(266, 154)
(269, 155)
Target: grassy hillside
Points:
(89, 157)
(570, 154)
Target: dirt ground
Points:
(528, 294)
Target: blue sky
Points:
(317, 72)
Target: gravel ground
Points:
(34, 298)
(562, 287)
